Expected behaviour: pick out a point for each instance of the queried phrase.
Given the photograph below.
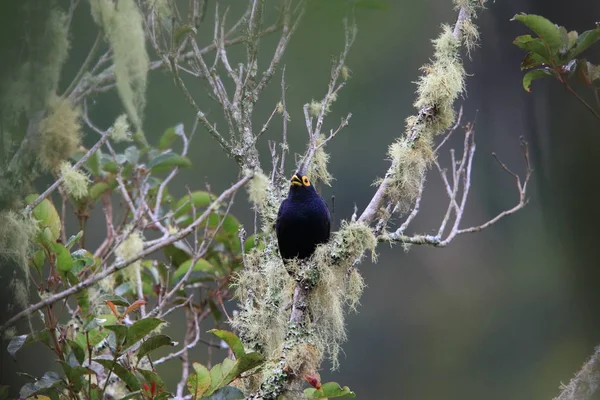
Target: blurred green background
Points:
(507, 313)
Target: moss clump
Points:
(258, 191)
(127, 250)
(59, 133)
(355, 287)
(75, 182)
(331, 295)
(411, 161)
(120, 131)
(443, 80)
(440, 85)
(264, 291)
(317, 169)
(17, 233)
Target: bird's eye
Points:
(305, 181)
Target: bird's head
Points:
(300, 183)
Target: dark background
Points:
(506, 313)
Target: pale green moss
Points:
(258, 188)
(355, 287)
(314, 108)
(329, 297)
(263, 289)
(123, 24)
(317, 170)
(21, 294)
(121, 131)
(59, 133)
(75, 182)
(16, 235)
(345, 73)
(127, 250)
(411, 164)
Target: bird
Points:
(303, 220)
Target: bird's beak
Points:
(296, 181)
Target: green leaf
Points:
(49, 380)
(199, 199)
(77, 351)
(234, 343)
(535, 46)
(74, 375)
(545, 29)
(584, 41)
(132, 154)
(230, 224)
(93, 163)
(132, 395)
(181, 32)
(152, 344)
(532, 75)
(166, 161)
(120, 333)
(329, 390)
(46, 216)
(199, 382)
(4, 389)
(111, 167)
(226, 393)
(150, 376)
(175, 255)
(168, 138)
(97, 190)
(201, 265)
(130, 379)
(220, 375)
(140, 329)
(214, 310)
(224, 373)
(38, 259)
(74, 239)
(64, 262)
(16, 343)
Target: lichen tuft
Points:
(121, 131)
(59, 133)
(258, 190)
(318, 167)
(127, 250)
(123, 24)
(75, 182)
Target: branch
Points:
(584, 385)
(458, 196)
(424, 114)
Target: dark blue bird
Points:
(303, 220)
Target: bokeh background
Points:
(507, 313)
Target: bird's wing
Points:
(279, 214)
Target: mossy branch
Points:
(585, 385)
(438, 88)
